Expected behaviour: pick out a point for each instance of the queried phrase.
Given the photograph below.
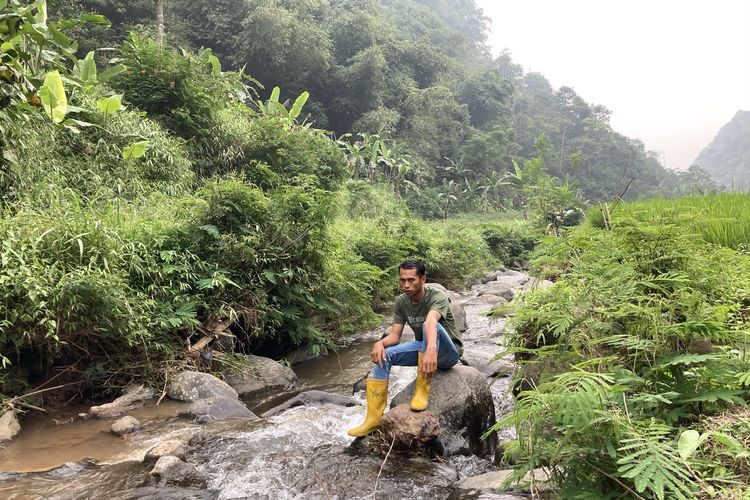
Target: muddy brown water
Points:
(302, 453)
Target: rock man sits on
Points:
(437, 346)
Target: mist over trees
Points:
(727, 158)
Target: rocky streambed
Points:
(274, 432)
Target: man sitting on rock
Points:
(437, 346)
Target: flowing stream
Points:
(303, 452)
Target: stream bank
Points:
(301, 452)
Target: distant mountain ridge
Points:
(727, 158)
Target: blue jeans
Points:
(406, 354)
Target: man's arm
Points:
(429, 361)
(377, 355)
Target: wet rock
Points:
(340, 473)
(260, 375)
(303, 354)
(9, 426)
(208, 410)
(198, 438)
(171, 471)
(470, 465)
(308, 398)
(515, 273)
(493, 481)
(192, 386)
(170, 448)
(72, 469)
(504, 287)
(483, 495)
(360, 384)
(489, 299)
(481, 357)
(491, 276)
(135, 397)
(409, 429)
(462, 401)
(459, 313)
(537, 284)
(126, 425)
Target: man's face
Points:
(411, 283)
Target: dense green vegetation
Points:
(635, 364)
(727, 158)
(149, 203)
(413, 80)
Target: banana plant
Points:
(273, 107)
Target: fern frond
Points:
(654, 465)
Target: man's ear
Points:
(423, 279)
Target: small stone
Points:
(126, 425)
(9, 426)
(172, 447)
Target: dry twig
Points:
(377, 479)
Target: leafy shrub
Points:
(456, 254)
(509, 243)
(91, 162)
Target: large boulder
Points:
(9, 426)
(208, 410)
(504, 287)
(408, 429)
(134, 397)
(310, 398)
(260, 374)
(488, 299)
(482, 357)
(537, 284)
(459, 314)
(192, 386)
(462, 401)
(172, 471)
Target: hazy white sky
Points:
(673, 72)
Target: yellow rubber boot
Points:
(377, 395)
(421, 399)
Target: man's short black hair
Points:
(414, 264)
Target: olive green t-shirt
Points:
(404, 311)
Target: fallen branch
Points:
(377, 479)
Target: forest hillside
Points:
(727, 158)
(418, 75)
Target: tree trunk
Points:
(159, 22)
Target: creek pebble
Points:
(172, 447)
(125, 425)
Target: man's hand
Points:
(377, 355)
(429, 362)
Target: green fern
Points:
(654, 465)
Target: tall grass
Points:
(722, 219)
